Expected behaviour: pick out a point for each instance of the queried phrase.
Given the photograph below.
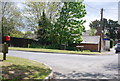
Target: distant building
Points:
(91, 43)
(99, 42)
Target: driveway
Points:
(68, 66)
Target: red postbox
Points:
(7, 38)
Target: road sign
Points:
(106, 39)
(7, 38)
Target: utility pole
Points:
(102, 28)
(101, 20)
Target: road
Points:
(68, 66)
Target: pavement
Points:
(68, 66)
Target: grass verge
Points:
(17, 69)
(52, 50)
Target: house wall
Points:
(102, 45)
(92, 47)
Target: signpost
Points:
(4, 47)
(4, 50)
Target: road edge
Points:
(50, 76)
(61, 53)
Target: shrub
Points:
(38, 45)
(111, 43)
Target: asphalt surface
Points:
(68, 66)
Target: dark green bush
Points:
(111, 43)
(38, 45)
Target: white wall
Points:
(107, 45)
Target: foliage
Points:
(65, 29)
(42, 16)
(44, 27)
(69, 25)
(11, 18)
(28, 35)
(38, 45)
(16, 33)
(111, 43)
(33, 12)
(118, 34)
(112, 28)
(56, 23)
(92, 32)
(109, 26)
(95, 24)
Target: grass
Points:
(17, 69)
(52, 50)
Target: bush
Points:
(111, 43)
(71, 48)
(51, 46)
(38, 45)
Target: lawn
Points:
(52, 50)
(17, 69)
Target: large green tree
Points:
(60, 23)
(70, 23)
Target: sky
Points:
(93, 11)
(93, 8)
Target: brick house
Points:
(91, 43)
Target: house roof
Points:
(91, 39)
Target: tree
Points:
(33, 12)
(57, 22)
(42, 16)
(16, 33)
(92, 32)
(109, 27)
(95, 24)
(112, 29)
(28, 35)
(70, 24)
(44, 27)
(11, 18)
(118, 34)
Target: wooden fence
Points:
(20, 42)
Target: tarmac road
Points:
(68, 66)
